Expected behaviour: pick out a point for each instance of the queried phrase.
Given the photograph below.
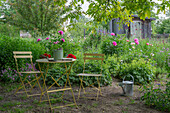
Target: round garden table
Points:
(66, 61)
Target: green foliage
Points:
(140, 69)
(94, 40)
(157, 97)
(37, 17)
(77, 27)
(91, 67)
(163, 26)
(109, 49)
(9, 44)
(9, 75)
(8, 30)
(107, 10)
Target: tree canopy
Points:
(163, 26)
(45, 15)
(103, 10)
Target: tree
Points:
(77, 27)
(38, 17)
(103, 10)
(163, 26)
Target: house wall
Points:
(117, 29)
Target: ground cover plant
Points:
(157, 97)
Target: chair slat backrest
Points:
(23, 54)
(92, 56)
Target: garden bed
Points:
(111, 101)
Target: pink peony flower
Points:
(113, 34)
(63, 39)
(136, 40)
(127, 40)
(147, 43)
(60, 32)
(38, 40)
(56, 42)
(114, 43)
(47, 38)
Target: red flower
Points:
(47, 55)
(71, 56)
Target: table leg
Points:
(70, 84)
(44, 84)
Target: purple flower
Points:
(38, 40)
(5, 70)
(1, 75)
(13, 79)
(63, 39)
(158, 84)
(2, 72)
(60, 32)
(47, 38)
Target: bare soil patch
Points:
(111, 101)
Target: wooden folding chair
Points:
(88, 56)
(26, 55)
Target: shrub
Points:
(109, 49)
(93, 40)
(9, 44)
(91, 67)
(140, 69)
(9, 30)
(9, 75)
(157, 97)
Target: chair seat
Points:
(31, 72)
(85, 74)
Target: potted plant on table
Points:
(54, 43)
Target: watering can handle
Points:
(130, 76)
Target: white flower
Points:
(152, 54)
(133, 47)
(132, 43)
(71, 40)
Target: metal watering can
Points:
(127, 86)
